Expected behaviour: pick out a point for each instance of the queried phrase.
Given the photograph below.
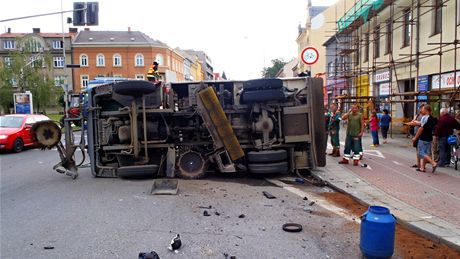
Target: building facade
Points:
(41, 44)
(126, 54)
(206, 63)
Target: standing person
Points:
(152, 73)
(415, 123)
(374, 126)
(424, 137)
(385, 121)
(327, 118)
(444, 128)
(334, 127)
(355, 129)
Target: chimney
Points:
(9, 30)
(73, 30)
(129, 29)
(35, 30)
(86, 29)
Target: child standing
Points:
(374, 126)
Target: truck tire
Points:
(263, 84)
(269, 168)
(267, 156)
(191, 165)
(317, 101)
(134, 88)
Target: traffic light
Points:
(92, 13)
(79, 14)
(85, 13)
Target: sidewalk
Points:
(427, 203)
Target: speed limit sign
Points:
(310, 55)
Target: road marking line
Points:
(397, 163)
(318, 199)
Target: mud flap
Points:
(165, 186)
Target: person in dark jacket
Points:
(385, 121)
(445, 127)
(424, 139)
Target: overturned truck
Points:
(263, 126)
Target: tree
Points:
(28, 70)
(270, 72)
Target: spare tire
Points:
(269, 168)
(263, 84)
(134, 88)
(267, 156)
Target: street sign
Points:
(310, 55)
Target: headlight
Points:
(3, 136)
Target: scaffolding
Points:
(360, 28)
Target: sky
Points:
(240, 36)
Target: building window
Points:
(407, 17)
(58, 44)
(140, 77)
(100, 60)
(377, 42)
(366, 47)
(437, 16)
(330, 66)
(159, 59)
(9, 44)
(118, 75)
(58, 61)
(59, 80)
(116, 60)
(84, 80)
(83, 60)
(7, 61)
(389, 36)
(33, 45)
(139, 58)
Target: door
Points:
(26, 136)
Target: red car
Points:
(15, 130)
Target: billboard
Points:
(23, 103)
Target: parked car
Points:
(15, 130)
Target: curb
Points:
(418, 221)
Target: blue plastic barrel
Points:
(377, 233)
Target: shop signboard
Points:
(445, 81)
(382, 76)
(384, 89)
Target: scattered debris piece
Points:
(311, 203)
(217, 213)
(150, 255)
(268, 205)
(268, 195)
(239, 237)
(363, 165)
(282, 201)
(206, 213)
(176, 243)
(205, 207)
(292, 227)
(227, 256)
(241, 216)
(305, 198)
(299, 180)
(48, 247)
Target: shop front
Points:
(445, 84)
(382, 89)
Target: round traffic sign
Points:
(310, 55)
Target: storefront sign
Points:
(384, 89)
(447, 81)
(23, 103)
(422, 87)
(382, 76)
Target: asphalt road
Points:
(117, 218)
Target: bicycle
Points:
(453, 142)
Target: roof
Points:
(185, 54)
(115, 37)
(44, 35)
(315, 10)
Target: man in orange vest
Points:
(152, 74)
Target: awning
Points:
(360, 11)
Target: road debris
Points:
(150, 255)
(206, 213)
(311, 203)
(217, 213)
(241, 216)
(176, 243)
(268, 195)
(292, 227)
(299, 180)
(205, 207)
(227, 256)
(305, 198)
(48, 247)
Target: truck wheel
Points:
(191, 165)
(134, 88)
(317, 101)
(267, 156)
(268, 168)
(18, 145)
(263, 84)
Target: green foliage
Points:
(270, 72)
(29, 70)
